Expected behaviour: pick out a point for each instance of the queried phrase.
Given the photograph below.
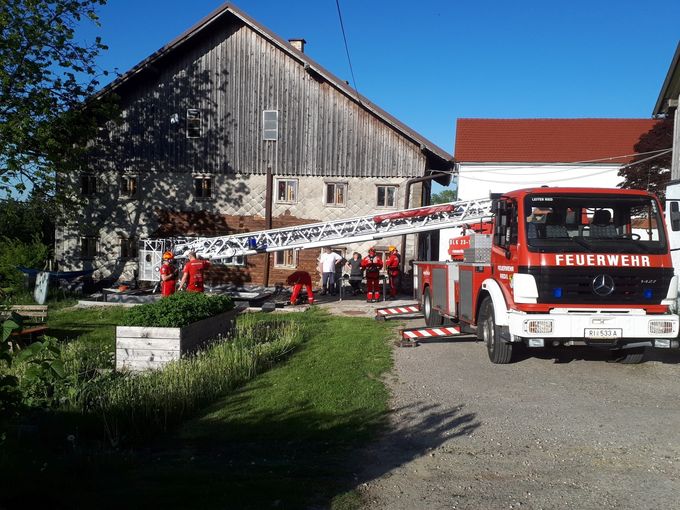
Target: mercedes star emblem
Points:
(603, 285)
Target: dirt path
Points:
(543, 433)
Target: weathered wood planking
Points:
(139, 348)
(231, 77)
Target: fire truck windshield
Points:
(593, 223)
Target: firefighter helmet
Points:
(391, 248)
(371, 251)
(168, 255)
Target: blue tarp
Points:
(64, 275)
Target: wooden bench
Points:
(35, 316)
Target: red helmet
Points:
(168, 255)
(371, 251)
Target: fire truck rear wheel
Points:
(432, 317)
(500, 352)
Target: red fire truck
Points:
(562, 267)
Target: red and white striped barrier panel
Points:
(395, 311)
(420, 333)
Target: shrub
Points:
(17, 253)
(178, 310)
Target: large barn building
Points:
(230, 129)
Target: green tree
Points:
(651, 172)
(445, 196)
(45, 77)
(23, 220)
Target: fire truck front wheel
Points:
(500, 352)
(432, 316)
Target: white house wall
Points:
(477, 180)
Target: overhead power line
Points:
(344, 37)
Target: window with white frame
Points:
(236, 260)
(387, 196)
(203, 187)
(270, 125)
(287, 191)
(128, 186)
(88, 184)
(128, 248)
(285, 258)
(193, 123)
(88, 247)
(336, 194)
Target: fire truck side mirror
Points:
(500, 222)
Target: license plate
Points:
(603, 333)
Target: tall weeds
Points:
(137, 406)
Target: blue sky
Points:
(431, 62)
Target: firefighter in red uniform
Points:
(193, 273)
(372, 264)
(297, 280)
(168, 275)
(392, 266)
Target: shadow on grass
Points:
(293, 459)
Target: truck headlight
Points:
(538, 326)
(661, 327)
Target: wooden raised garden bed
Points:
(141, 348)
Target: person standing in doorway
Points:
(392, 267)
(168, 275)
(193, 275)
(327, 263)
(356, 274)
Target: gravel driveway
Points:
(542, 433)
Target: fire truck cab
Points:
(562, 267)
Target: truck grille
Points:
(574, 285)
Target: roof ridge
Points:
(339, 84)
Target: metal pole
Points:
(268, 220)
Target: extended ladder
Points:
(353, 230)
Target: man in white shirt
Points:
(327, 263)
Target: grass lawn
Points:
(285, 440)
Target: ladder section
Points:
(353, 230)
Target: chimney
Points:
(298, 44)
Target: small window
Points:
(286, 258)
(336, 194)
(88, 184)
(237, 260)
(128, 248)
(193, 123)
(128, 186)
(387, 196)
(286, 192)
(88, 247)
(270, 125)
(203, 187)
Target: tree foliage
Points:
(23, 220)
(445, 196)
(651, 172)
(45, 77)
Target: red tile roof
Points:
(548, 140)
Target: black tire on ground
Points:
(432, 317)
(630, 357)
(500, 352)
